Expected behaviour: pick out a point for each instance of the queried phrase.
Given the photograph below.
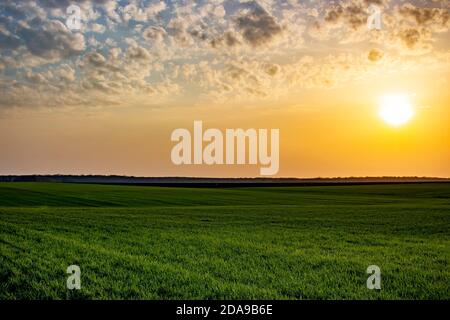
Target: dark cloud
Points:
(229, 39)
(377, 2)
(62, 4)
(375, 55)
(10, 9)
(9, 41)
(138, 53)
(353, 16)
(56, 3)
(271, 69)
(419, 26)
(52, 41)
(410, 37)
(199, 34)
(333, 15)
(424, 16)
(178, 30)
(154, 33)
(96, 59)
(257, 26)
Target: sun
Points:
(396, 109)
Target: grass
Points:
(245, 243)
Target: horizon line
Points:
(222, 178)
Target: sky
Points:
(105, 99)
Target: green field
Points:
(244, 243)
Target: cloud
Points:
(256, 25)
(178, 30)
(436, 18)
(272, 69)
(375, 55)
(344, 20)
(414, 30)
(221, 50)
(65, 73)
(133, 11)
(96, 59)
(52, 41)
(410, 37)
(8, 41)
(155, 34)
(138, 53)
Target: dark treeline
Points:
(192, 181)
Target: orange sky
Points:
(337, 133)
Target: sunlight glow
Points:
(396, 109)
